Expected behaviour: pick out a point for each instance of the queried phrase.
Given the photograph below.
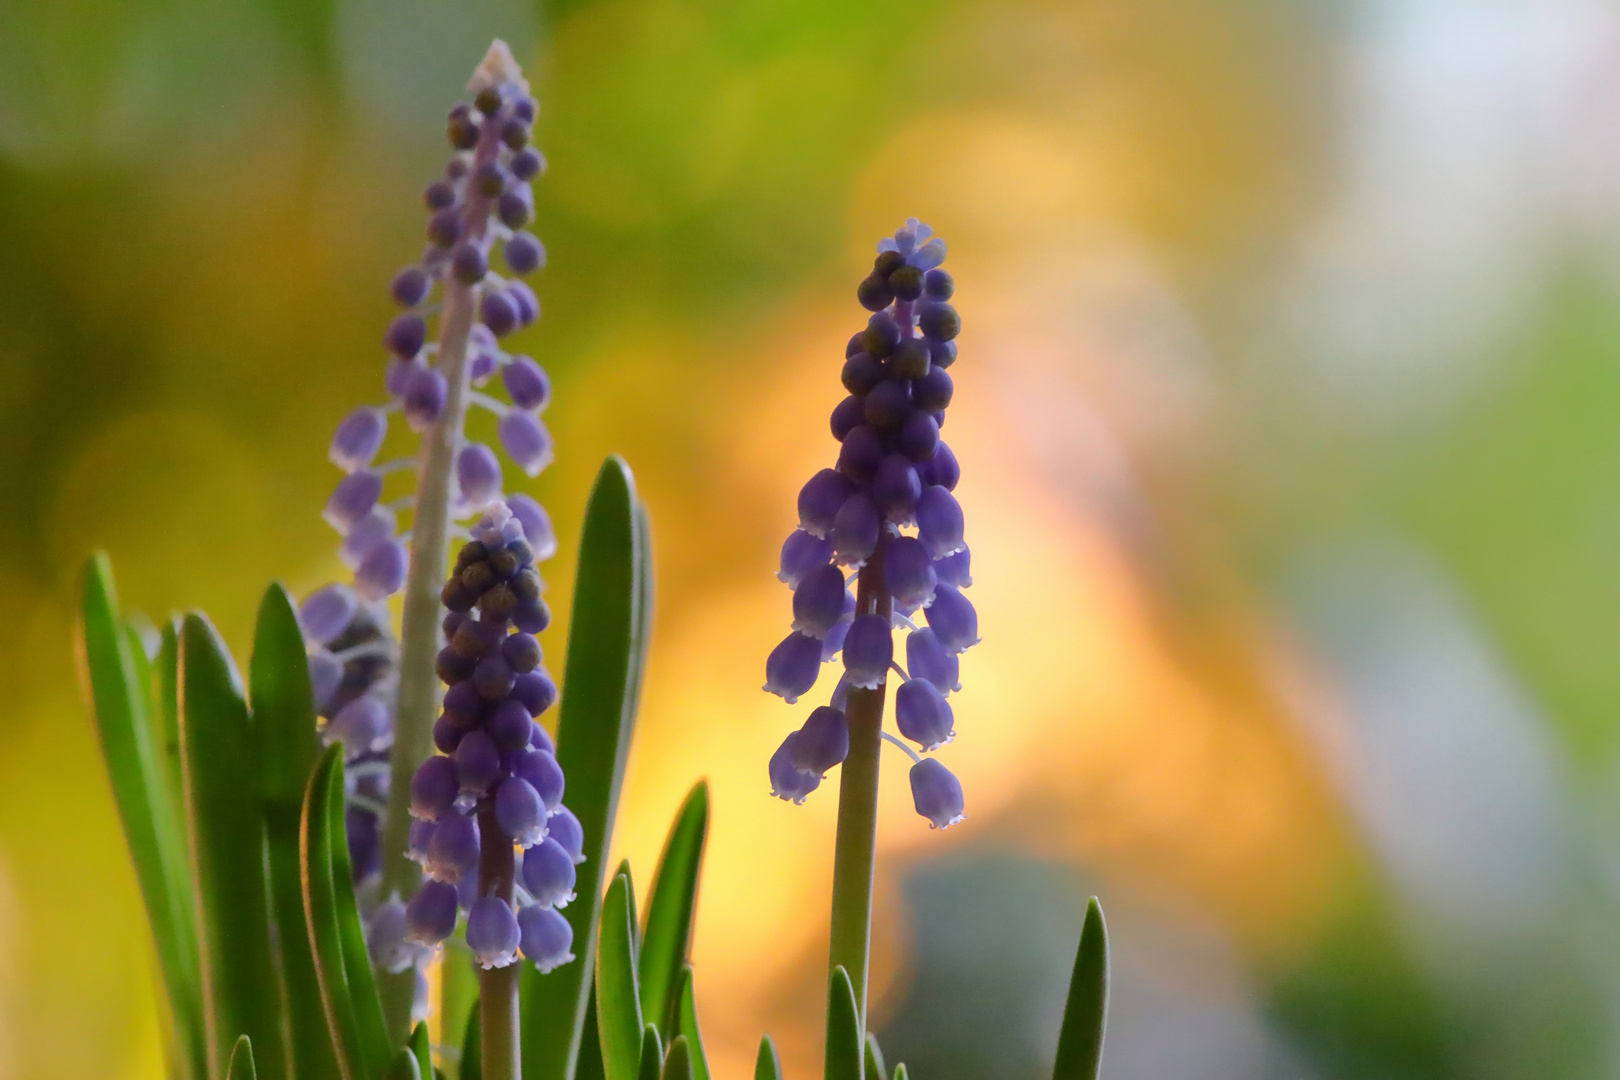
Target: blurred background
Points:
(1289, 415)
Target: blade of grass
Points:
(1085, 1016)
(618, 1007)
(844, 1041)
(686, 1026)
(768, 1065)
(242, 1060)
(422, 1047)
(652, 1054)
(874, 1059)
(667, 935)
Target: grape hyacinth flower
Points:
(458, 303)
(884, 512)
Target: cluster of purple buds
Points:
(887, 503)
(496, 780)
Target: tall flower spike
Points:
(885, 510)
(377, 696)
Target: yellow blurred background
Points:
(1289, 418)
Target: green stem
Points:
(855, 856)
(498, 987)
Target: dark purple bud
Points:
(819, 601)
(489, 179)
(406, 335)
(907, 283)
(936, 794)
(524, 109)
(361, 726)
(526, 441)
(532, 616)
(478, 763)
(478, 474)
(874, 294)
(522, 651)
(447, 734)
(855, 531)
(919, 437)
(868, 651)
(547, 938)
(524, 253)
(481, 365)
(424, 397)
(910, 359)
(539, 769)
(397, 374)
(523, 298)
(941, 470)
(326, 612)
(548, 874)
(565, 828)
(515, 206)
(462, 132)
(439, 195)
(896, 488)
(792, 667)
(951, 616)
(492, 932)
(431, 914)
(888, 405)
(927, 659)
(536, 525)
(933, 391)
(519, 812)
(487, 101)
(862, 452)
(468, 264)
(861, 373)
(942, 354)
(536, 690)
(540, 739)
(908, 573)
(787, 782)
(494, 678)
(444, 227)
(375, 528)
(819, 501)
(410, 287)
(849, 414)
(955, 569)
(854, 344)
(515, 134)
(526, 164)
(498, 311)
(939, 322)
(510, 725)
(939, 522)
(454, 849)
(434, 788)
(358, 439)
(823, 741)
(923, 715)
(352, 499)
(802, 552)
(882, 335)
(462, 702)
(937, 285)
(382, 571)
(527, 383)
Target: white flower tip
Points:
(498, 66)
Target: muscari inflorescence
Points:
(886, 505)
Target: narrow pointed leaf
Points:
(242, 1060)
(874, 1059)
(900, 1071)
(1080, 1041)
(768, 1065)
(667, 936)
(405, 1067)
(422, 1047)
(623, 870)
(472, 1048)
(618, 1008)
(686, 1026)
(652, 1055)
(588, 1065)
(844, 1042)
(286, 749)
(226, 822)
(167, 722)
(678, 1062)
(602, 680)
(147, 806)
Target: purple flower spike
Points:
(927, 658)
(855, 531)
(424, 395)
(382, 571)
(431, 914)
(527, 383)
(820, 500)
(952, 617)
(434, 788)
(802, 552)
(923, 715)
(548, 874)
(492, 932)
(326, 613)
(793, 666)
(787, 781)
(478, 474)
(519, 811)
(868, 651)
(565, 828)
(908, 573)
(939, 522)
(454, 849)
(936, 793)
(819, 601)
(547, 938)
(955, 569)
(358, 439)
(352, 499)
(536, 526)
(823, 741)
(526, 440)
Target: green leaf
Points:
(146, 805)
(226, 821)
(337, 940)
(667, 935)
(844, 1042)
(874, 1059)
(286, 748)
(618, 1008)
(652, 1054)
(422, 1047)
(1085, 1016)
(166, 725)
(686, 1026)
(242, 1060)
(472, 1048)
(405, 1067)
(607, 643)
(678, 1062)
(900, 1071)
(768, 1065)
(588, 1065)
